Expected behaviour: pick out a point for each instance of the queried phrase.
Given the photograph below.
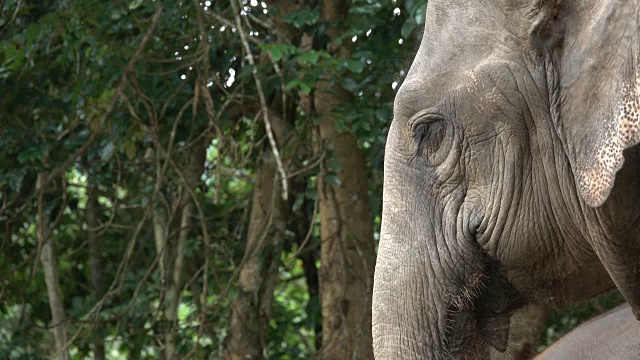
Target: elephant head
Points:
(511, 172)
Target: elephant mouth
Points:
(488, 300)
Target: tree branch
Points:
(119, 93)
(263, 101)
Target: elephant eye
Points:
(424, 127)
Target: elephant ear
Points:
(607, 125)
(598, 79)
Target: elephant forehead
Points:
(473, 80)
(489, 80)
(490, 93)
(495, 71)
(421, 92)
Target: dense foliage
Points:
(132, 138)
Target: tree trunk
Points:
(307, 254)
(313, 285)
(95, 257)
(160, 235)
(250, 311)
(347, 250)
(348, 247)
(170, 248)
(174, 284)
(50, 269)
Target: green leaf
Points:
(334, 163)
(130, 150)
(371, 9)
(15, 179)
(297, 83)
(276, 54)
(407, 28)
(355, 66)
(409, 4)
(420, 13)
(332, 179)
(305, 88)
(298, 202)
(31, 153)
(134, 4)
(278, 51)
(340, 122)
(9, 49)
(107, 151)
(350, 84)
(302, 17)
(311, 57)
(383, 114)
(245, 72)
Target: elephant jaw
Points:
(472, 319)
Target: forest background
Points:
(198, 179)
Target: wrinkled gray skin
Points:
(614, 335)
(508, 134)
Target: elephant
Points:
(511, 172)
(613, 335)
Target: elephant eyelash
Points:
(422, 135)
(422, 126)
(424, 117)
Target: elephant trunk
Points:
(427, 274)
(408, 310)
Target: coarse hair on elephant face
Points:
(512, 174)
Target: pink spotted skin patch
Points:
(596, 183)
